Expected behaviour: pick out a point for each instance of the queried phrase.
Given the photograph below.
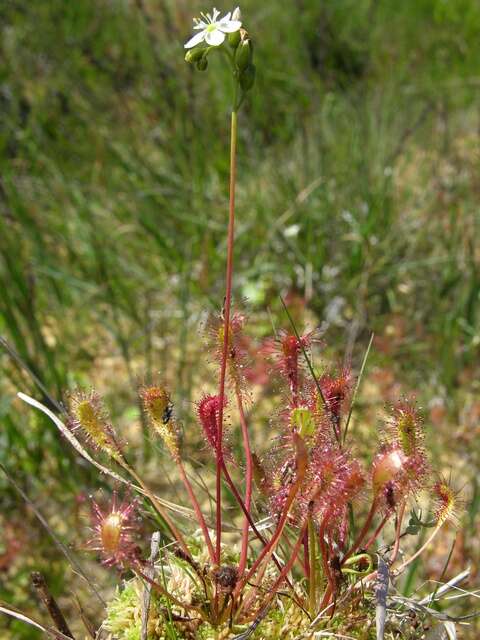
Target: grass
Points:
(358, 165)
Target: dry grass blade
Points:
(381, 592)
(18, 615)
(23, 365)
(409, 603)
(147, 593)
(357, 386)
(448, 586)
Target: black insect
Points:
(167, 414)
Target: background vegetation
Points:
(358, 196)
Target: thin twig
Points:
(83, 617)
(40, 585)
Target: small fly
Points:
(167, 414)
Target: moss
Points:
(124, 613)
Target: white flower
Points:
(212, 30)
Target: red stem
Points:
(377, 531)
(331, 587)
(397, 534)
(306, 556)
(268, 550)
(240, 502)
(226, 329)
(281, 577)
(324, 554)
(198, 511)
(238, 498)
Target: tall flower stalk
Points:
(226, 317)
(238, 49)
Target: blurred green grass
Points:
(357, 190)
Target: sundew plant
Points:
(306, 560)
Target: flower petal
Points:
(214, 38)
(229, 26)
(197, 39)
(200, 24)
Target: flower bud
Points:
(247, 78)
(243, 54)
(194, 55)
(202, 64)
(234, 39)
